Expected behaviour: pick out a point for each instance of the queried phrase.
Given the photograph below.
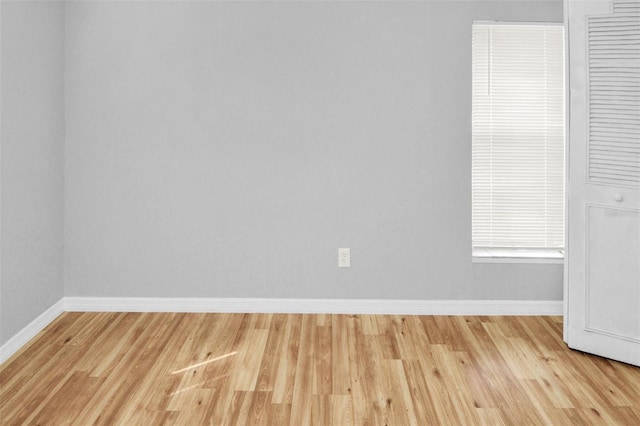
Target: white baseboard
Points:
(316, 306)
(14, 344)
(300, 306)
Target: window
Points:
(518, 137)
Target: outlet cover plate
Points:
(344, 258)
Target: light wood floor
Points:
(190, 369)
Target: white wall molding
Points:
(314, 306)
(21, 338)
(302, 306)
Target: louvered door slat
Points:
(626, 7)
(614, 95)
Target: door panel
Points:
(608, 230)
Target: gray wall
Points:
(32, 136)
(228, 150)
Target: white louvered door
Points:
(602, 282)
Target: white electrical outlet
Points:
(344, 258)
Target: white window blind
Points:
(518, 136)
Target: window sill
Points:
(505, 255)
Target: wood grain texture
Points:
(278, 369)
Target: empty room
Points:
(343, 212)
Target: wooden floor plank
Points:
(279, 369)
(303, 384)
(287, 360)
(269, 363)
(340, 374)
